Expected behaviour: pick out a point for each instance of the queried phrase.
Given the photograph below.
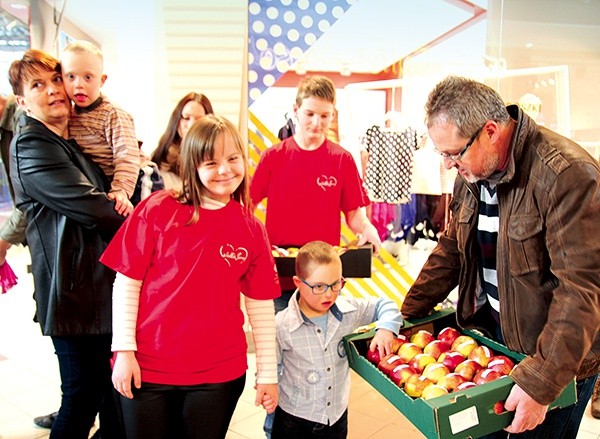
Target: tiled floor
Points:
(29, 384)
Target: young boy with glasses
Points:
(314, 380)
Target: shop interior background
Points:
(383, 55)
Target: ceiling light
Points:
(529, 45)
(300, 68)
(18, 5)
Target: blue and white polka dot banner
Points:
(280, 31)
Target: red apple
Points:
(401, 373)
(486, 376)
(407, 351)
(373, 356)
(435, 371)
(387, 363)
(468, 369)
(466, 385)
(422, 338)
(398, 341)
(499, 407)
(482, 354)
(502, 364)
(451, 381)
(451, 359)
(465, 347)
(415, 384)
(448, 335)
(436, 348)
(433, 391)
(419, 361)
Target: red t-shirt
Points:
(306, 191)
(190, 325)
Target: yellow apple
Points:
(415, 384)
(433, 391)
(407, 351)
(422, 338)
(435, 371)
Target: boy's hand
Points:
(383, 341)
(267, 395)
(370, 234)
(125, 371)
(122, 204)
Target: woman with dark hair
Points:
(188, 110)
(70, 220)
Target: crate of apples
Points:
(450, 384)
(427, 365)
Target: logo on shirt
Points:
(313, 376)
(325, 182)
(340, 349)
(231, 254)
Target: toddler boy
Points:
(104, 132)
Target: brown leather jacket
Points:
(548, 259)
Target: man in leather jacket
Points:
(522, 247)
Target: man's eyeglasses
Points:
(455, 157)
(319, 289)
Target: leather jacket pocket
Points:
(464, 218)
(526, 247)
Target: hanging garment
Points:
(382, 215)
(388, 172)
(287, 130)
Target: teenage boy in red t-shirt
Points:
(308, 180)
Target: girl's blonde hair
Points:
(199, 146)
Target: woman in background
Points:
(188, 110)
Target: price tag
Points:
(463, 420)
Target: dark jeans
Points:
(85, 373)
(286, 426)
(201, 411)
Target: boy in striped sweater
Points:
(104, 132)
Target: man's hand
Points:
(528, 412)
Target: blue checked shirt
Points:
(314, 380)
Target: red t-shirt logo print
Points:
(324, 182)
(229, 253)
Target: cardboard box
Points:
(464, 414)
(356, 262)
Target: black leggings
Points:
(161, 411)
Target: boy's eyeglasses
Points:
(319, 289)
(455, 157)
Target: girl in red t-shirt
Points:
(182, 260)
